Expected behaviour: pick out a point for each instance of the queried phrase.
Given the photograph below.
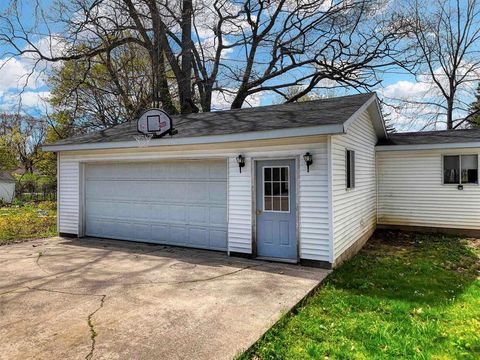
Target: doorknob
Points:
(258, 212)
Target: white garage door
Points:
(177, 203)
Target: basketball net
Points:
(143, 140)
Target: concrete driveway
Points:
(101, 299)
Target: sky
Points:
(31, 95)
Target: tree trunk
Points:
(160, 90)
(450, 113)
(185, 84)
(163, 89)
(237, 103)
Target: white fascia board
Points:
(167, 141)
(426, 146)
(379, 123)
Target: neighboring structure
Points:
(294, 182)
(7, 187)
(430, 180)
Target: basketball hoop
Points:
(143, 140)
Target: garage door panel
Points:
(218, 239)
(142, 231)
(127, 171)
(198, 237)
(101, 171)
(198, 215)
(218, 216)
(177, 214)
(178, 235)
(198, 193)
(175, 171)
(138, 212)
(218, 192)
(159, 213)
(197, 171)
(160, 234)
(218, 171)
(178, 203)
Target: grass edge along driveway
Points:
(27, 221)
(409, 296)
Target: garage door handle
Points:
(258, 212)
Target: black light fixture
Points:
(240, 162)
(308, 160)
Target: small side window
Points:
(350, 168)
(460, 169)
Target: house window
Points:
(460, 169)
(350, 168)
(276, 184)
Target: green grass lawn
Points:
(403, 296)
(28, 221)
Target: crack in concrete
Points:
(218, 276)
(93, 333)
(37, 261)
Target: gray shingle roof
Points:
(330, 111)
(6, 177)
(433, 137)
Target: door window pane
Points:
(451, 165)
(268, 188)
(276, 203)
(276, 174)
(268, 203)
(276, 189)
(268, 174)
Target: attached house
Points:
(302, 182)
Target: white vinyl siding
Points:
(312, 199)
(354, 210)
(239, 207)
(314, 206)
(411, 191)
(68, 195)
(312, 195)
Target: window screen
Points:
(350, 168)
(460, 169)
(469, 165)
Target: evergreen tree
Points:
(474, 117)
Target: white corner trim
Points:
(380, 148)
(166, 141)
(376, 119)
(331, 234)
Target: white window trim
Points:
(460, 170)
(288, 184)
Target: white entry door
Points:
(176, 202)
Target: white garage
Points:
(270, 182)
(170, 202)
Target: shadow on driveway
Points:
(98, 298)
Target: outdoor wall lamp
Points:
(240, 162)
(308, 160)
